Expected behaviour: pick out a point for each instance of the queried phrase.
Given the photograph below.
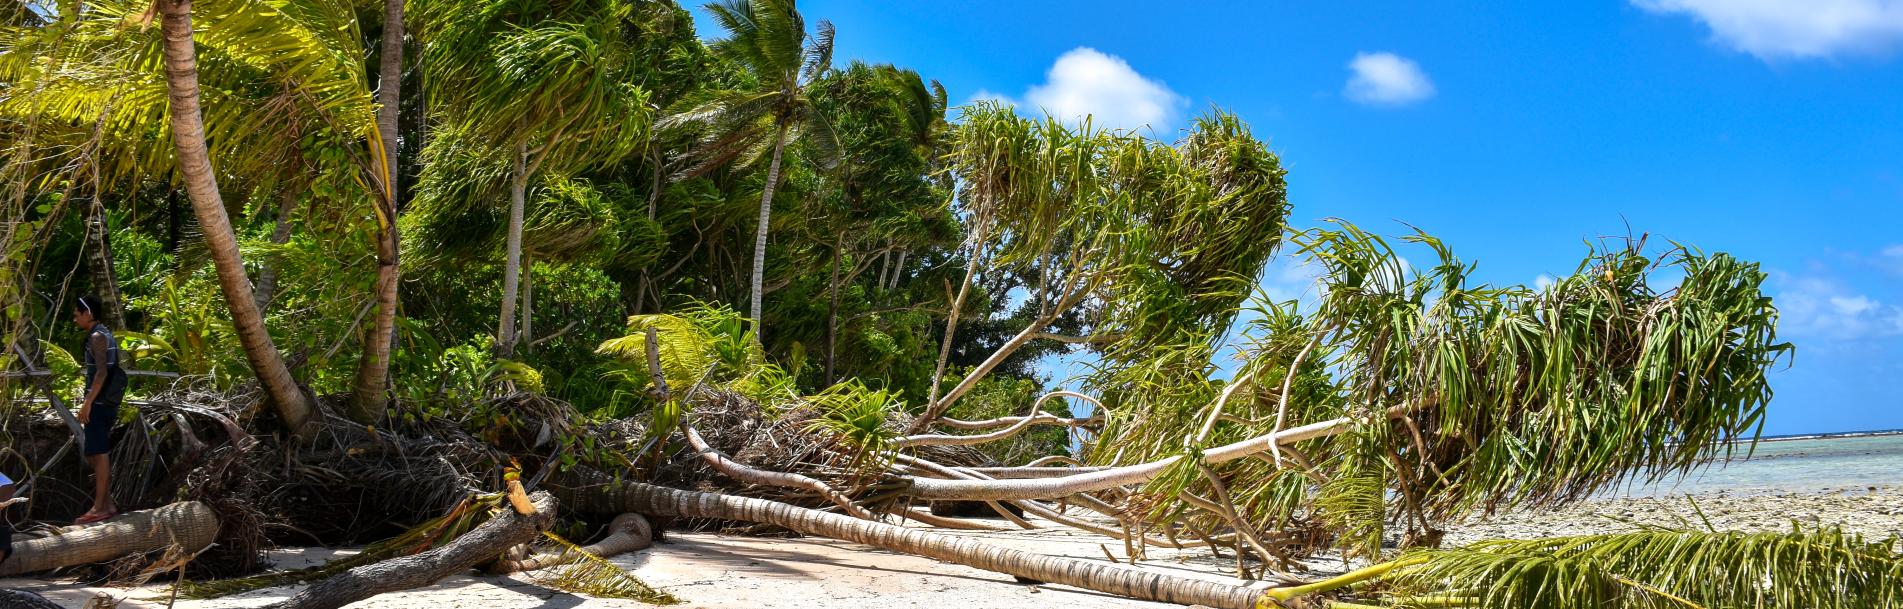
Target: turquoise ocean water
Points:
(1806, 466)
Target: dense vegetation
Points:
(577, 219)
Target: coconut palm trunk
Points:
(194, 163)
(512, 258)
(371, 390)
(759, 234)
(595, 493)
(99, 265)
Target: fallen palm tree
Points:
(189, 526)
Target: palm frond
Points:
(1822, 568)
(579, 571)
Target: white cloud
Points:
(1386, 79)
(1818, 307)
(1293, 278)
(1544, 281)
(1794, 29)
(1891, 259)
(1085, 81)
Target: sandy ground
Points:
(713, 571)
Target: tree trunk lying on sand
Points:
(507, 530)
(190, 525)
(595, 493)
(628, 532)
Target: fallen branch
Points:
(750, 475)
(954, 440)
(1052, 488)
(506, 530)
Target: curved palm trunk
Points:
(371, 391)
(759, 235)
(512, 258)
(596, 493)
(194, 164)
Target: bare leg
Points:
(102, 487)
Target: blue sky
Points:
(1769, 129)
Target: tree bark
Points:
(99, 263)
(595, 493)
(280, 234)
(194, 164)
(371, 391)
(528, 304)
(951, 329)
(937, 407)
(759, 235)
(512, 258)
(190, 525)
(507, 530)
(832, 310)
(897, 270)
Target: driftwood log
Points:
(506, 530)
(189, 525)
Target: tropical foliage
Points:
(589, 196)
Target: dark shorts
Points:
(99, 429)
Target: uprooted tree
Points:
(1355, 423)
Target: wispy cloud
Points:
(1087, 82)
(1386, 79)
(1890, 259)
(1821, 307)
(1794, 29)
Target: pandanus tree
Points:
(1405, 398)
(516, 89)
(1149, 234)
(768, 38)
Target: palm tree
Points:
(291, 90)
(371, 390)
(549, 89)
(194, 165)
(768, 39)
